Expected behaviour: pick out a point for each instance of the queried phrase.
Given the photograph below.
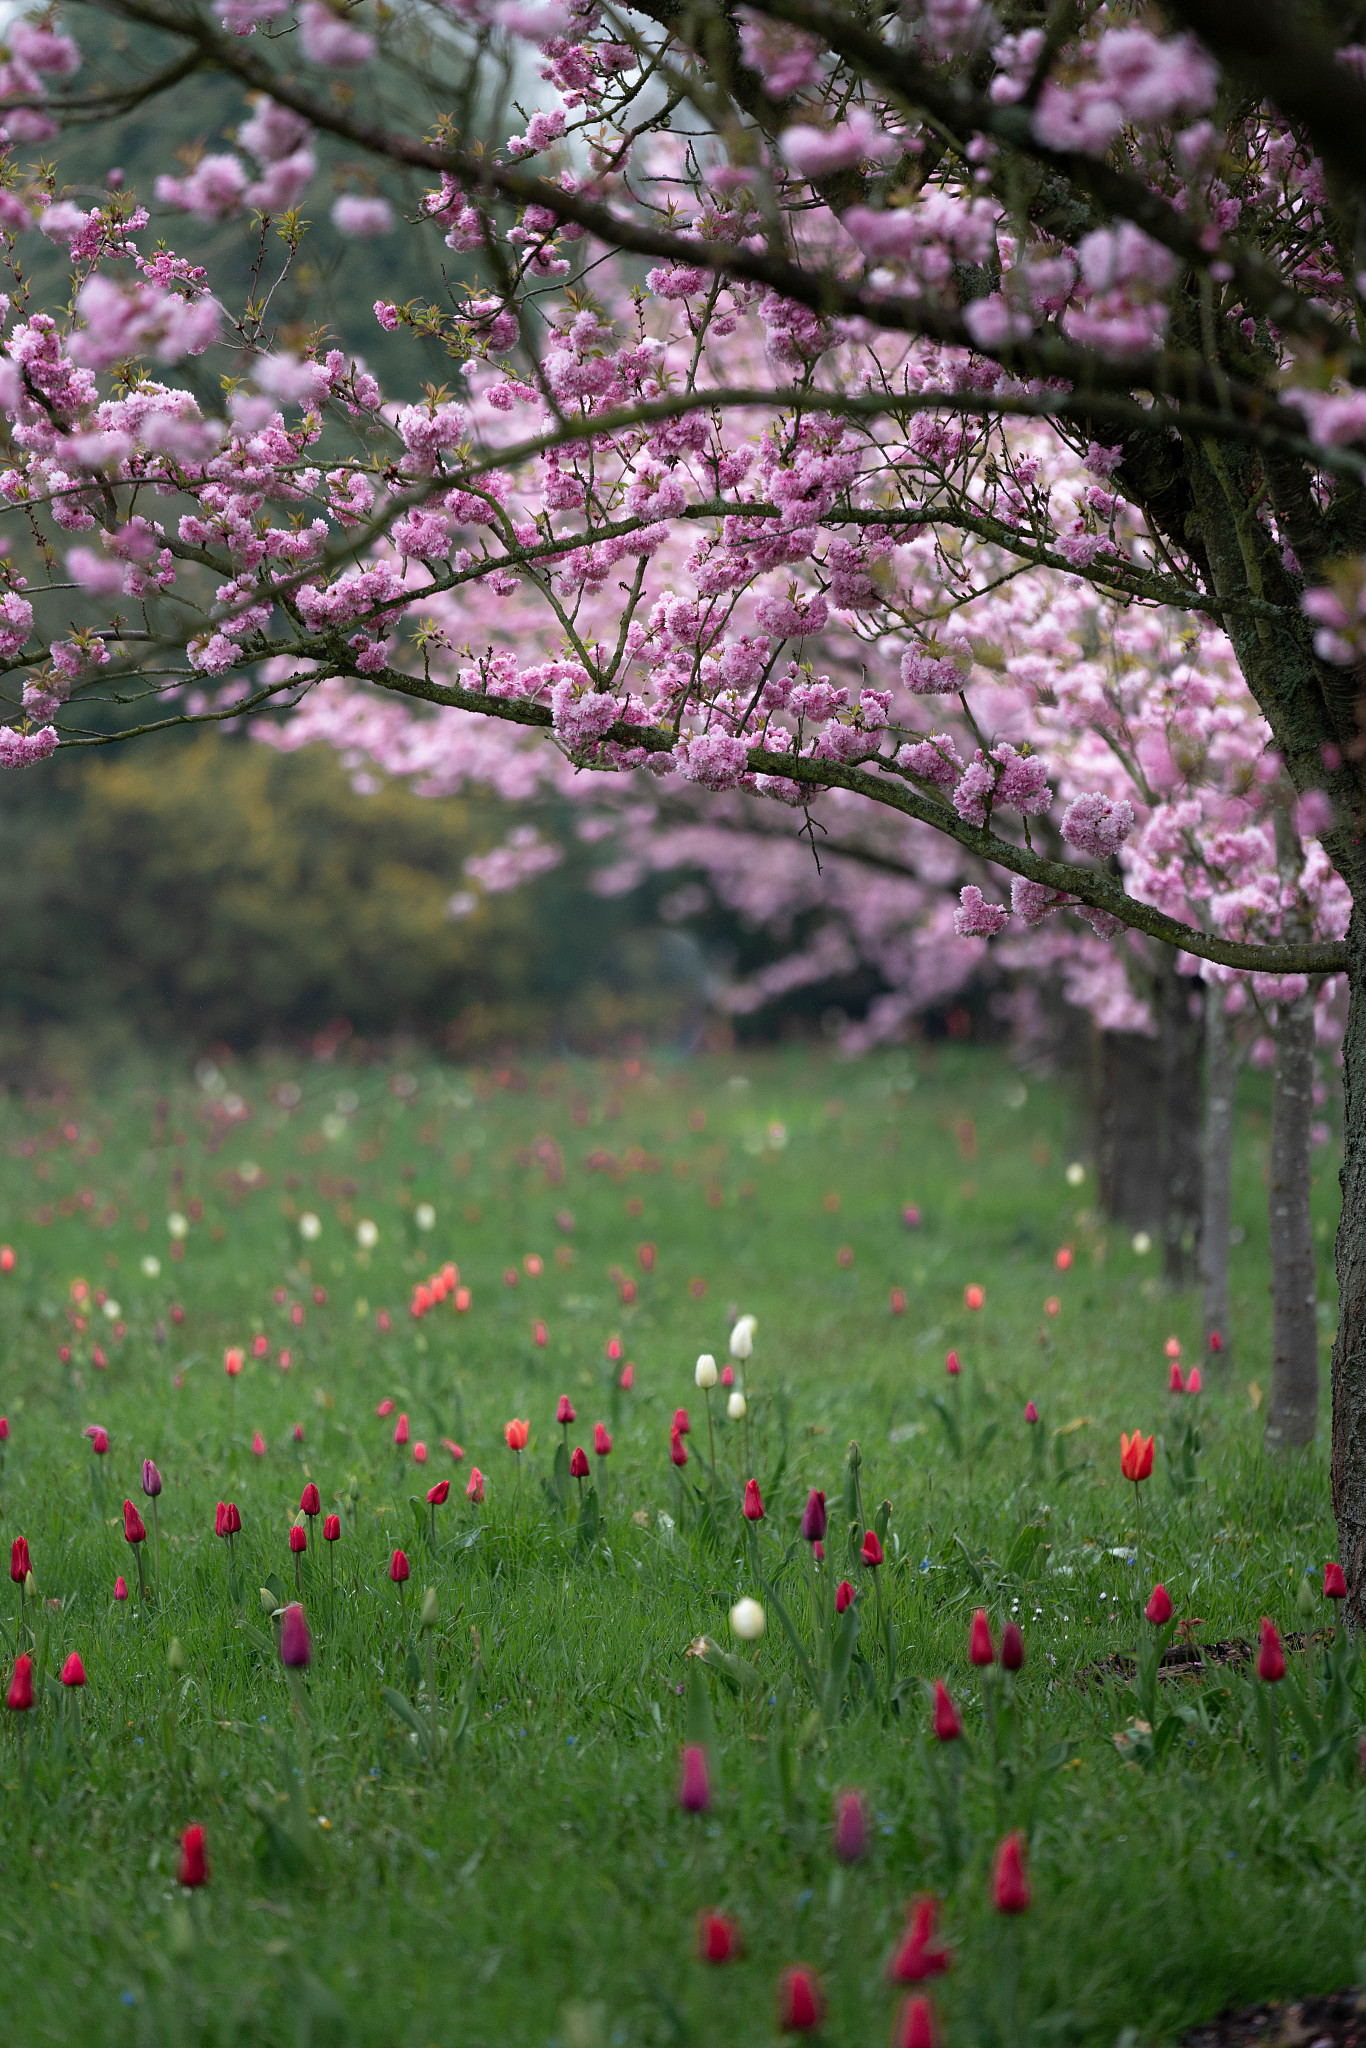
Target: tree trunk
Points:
(1181, 1019)
(1349, 1351)
(1148, 1124)
(1128, 1134)
(1220, 1075)
(1292, 1408)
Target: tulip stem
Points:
(711, 1441)
(142, 1590)
(156, 1534)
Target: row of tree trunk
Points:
(1164, 1151)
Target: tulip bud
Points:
(851, 1827)
(1012, 1647)
(1159, 1608)
(296, 1648)
(918, 1956)
(1305, 1599)
(602, 1442)
(914, 2026)
(718, 1938)
(134, 1530)
(175, 1656)
(565, 1413)
(298, 1538)
(705, 1373)
(194, 1863)
(1334, 1584)
(801, 2002)
(353, 1490)
(430, 1609)
(853, 1457)
(748, 1620)
(753, 1506)
(31, 1586)
(1271, 1657)
(20, 1696)
(947, 1725)
(578, 1462)
(871, 1553)
(269, 1604)
(979, 1643)
(844, 1594)
(332, 1529)
(309, 1501)
(151, 1479)
(813, 1517)
(1009, 1878)
(120, 1587)
(694, 1779)
(398, 1567)
(73, 1671)
(951, 1365)
(1031, 1412)
(1194, 1383)
(735, 1406)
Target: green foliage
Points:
(472, 1811)
(216, 891)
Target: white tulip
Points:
(310, 1227)
(151, 1265)
(176, 1225)
(747, 1620)
(706, 1371)
(367, 1234)
(424, 1216)
(735, 1407)
(742, 1337)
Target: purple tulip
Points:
(296, 1649)
(151, 1479)
(813, 1518)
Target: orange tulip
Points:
(517, 1433)
(1135, 1456)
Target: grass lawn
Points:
(533, 1878)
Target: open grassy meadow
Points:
(460, 1824)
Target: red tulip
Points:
(1012, 1647)
(475, 1490)
(947, 1726)
(133, 1528)
(951, 1365)
(19, 1566)
(871, 1552)
(844, 1593)
(194, 1864)
(419, 1453)
(401, 1431)
(298, 1537)
(918, 1956)
(456, 1450)
(718, 1938)
(578, 1462)
(258, 1445)
(980, 1648)
(1216, 1342)
(1175, 1383)
(1135, 1456)
(436, 1495)
(309, 1501)
(851, 1827)
(332, 1529)
(73, 1671)
(1334, 1584)
(694, 1779)
(120, 1587)
(1009, 1878)
(398, 1568)
(1271, 1657)
(680, 1422)
(296, 1648)
(914, 2025)
(813, 1517)
(20, 1696)
(727, 1376)
(974, 1297)
(99, 1438)
(1159, 1607)
(678, 1450)
(602, 1442)
(801, 2002)
(565, 1413)
(1194, 1383)
(628, 1377)
(1031, 1412)
(4, 1430)
(384, 1409)
(754, 1507)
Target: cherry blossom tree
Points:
(752, 328)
